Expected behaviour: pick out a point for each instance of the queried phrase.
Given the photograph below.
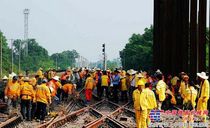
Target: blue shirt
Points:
(116, 80)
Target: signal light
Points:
(103, 49)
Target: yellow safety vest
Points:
(151, 99)
(104, 80)
(161, 89)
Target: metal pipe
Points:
(1, 53)
(19, 54)
(209, 35)
(12, 53)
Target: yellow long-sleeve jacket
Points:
(123, 84)
(182, 89)
(160, 90)
(27, 92)
(151, 99)
(12, 90)
(21, 82)
(190, 95)
(90, 83)
(205, 90)
(43, 94)
(140, 100)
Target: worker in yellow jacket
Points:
(184, 85)
(140, 77)
(152, 104)
(123, 88)
(190, 97)
(40, 73)
(21, 79)
(89, 86)
(104, 84)
(203, 94)
(68, 90)
(140, 105)
(33, 81)
(160, 90)
(27, 96)
(136, 101)
(189, 103)
(43, 98)
(12, 92)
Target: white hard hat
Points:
(202, 75)
(56, 78)
(5, 78)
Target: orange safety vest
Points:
(53, 87)
(90, 83)
(12, 90)
(68, 88)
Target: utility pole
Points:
(26, 13)
(12, 41)
(19, 56)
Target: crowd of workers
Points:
(149, 92)
(146, 91)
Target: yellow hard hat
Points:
(141, 83)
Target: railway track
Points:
(78, 113)
(3, 117)
(80, 118)
(17, 122)
(106, 123)
(106, 107)
(12, 122)
(130, 106)
(125, 117)
(98, 113)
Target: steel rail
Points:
(12, 122)
(70, 117)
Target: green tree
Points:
(137, 53)
(37, 55)
(6, 54)
(65, 59)
(113, 64)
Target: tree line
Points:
(137, 53)
(110, 64)
(37, 56)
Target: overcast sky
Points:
(82, 25)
